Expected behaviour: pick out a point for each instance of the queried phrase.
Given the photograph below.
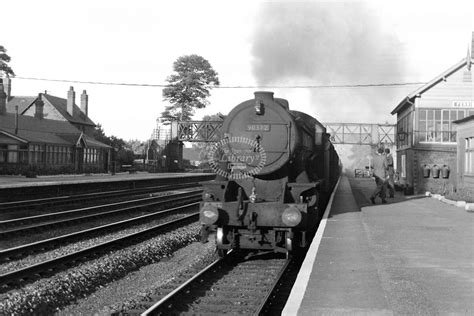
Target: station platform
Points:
(414, 255)
(21, 181)
(17, 188)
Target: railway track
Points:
(42, 245)
(232, 285)
(11, 210)
(48, 267)
(43, 222)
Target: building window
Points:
(403, 172)
(404, 129)
(38, 153)
(469, 155)
(12, 153)
(435, 125)
(69, 153)
(3, 153)
(90, 156)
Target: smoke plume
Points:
(329, 43)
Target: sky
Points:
(276, 46)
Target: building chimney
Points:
(71, 99)
(39, 105)
(7, 86)
(16, 119)
(472, 46)
(85, 103)
(3, 99)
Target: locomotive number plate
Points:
(258, 127)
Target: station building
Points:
(47, 135)
(465, 150)
(426, 132)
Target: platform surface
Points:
(414, 255)
(21, 181)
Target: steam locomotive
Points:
(276, 169)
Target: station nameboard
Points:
(462, 104)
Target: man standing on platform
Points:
(390, 172)
(379, 165)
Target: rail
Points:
(14, 276)
(17, 225)
(231, 285)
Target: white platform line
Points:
(299, 288)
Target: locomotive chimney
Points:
(264, 95)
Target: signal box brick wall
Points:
(465, 129)
(430, 156)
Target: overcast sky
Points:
(249, 43)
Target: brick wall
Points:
(440, 156)
(465, 129)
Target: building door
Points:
(106, 160)
(80, 160)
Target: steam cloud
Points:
(329, 43)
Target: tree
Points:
(113, 141)
(99, 134)
(188, 88)
(135, 145)
(4, 59)
(122, 154)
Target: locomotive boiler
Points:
(275, 171)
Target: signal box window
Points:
(435, 125)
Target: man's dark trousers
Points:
(380, 189)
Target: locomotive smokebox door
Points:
(264, 126)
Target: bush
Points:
(30, 174)
(460, 194)
(7, 169)
(125, 157)
(31, 171)
(92, 169)
(450, 192)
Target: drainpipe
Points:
(414, 180)
(16, 119)
(412, 138)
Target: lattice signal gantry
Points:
(341, 133)
(196, 131)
